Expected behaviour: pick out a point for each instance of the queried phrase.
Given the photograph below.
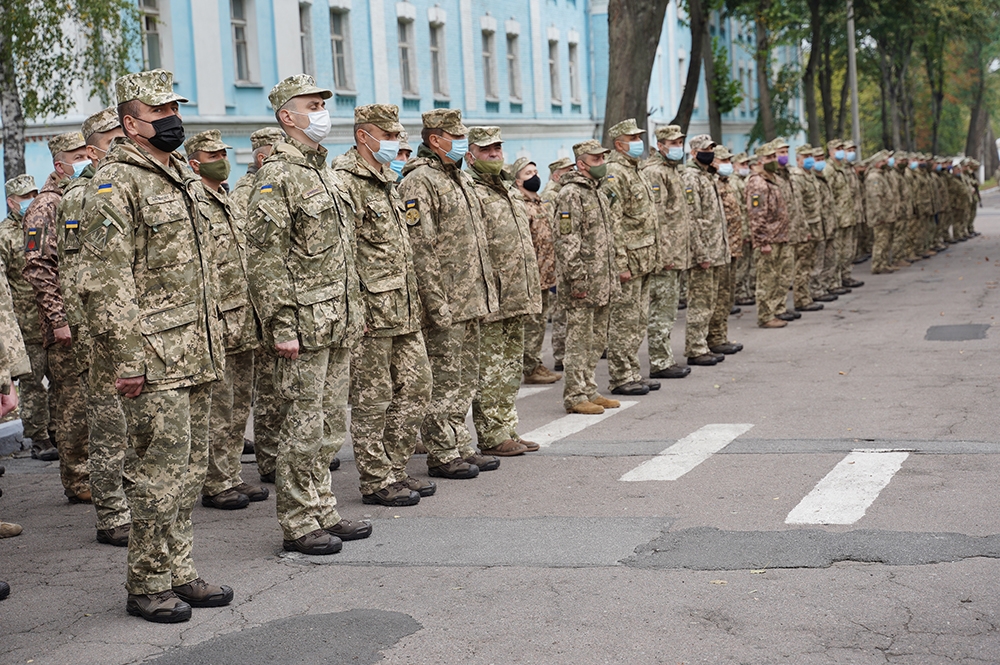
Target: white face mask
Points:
(319, 124)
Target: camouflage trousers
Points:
(228, 422)
(312, 390)
(390, 388)
(708, 309)
(664, 294)
(534, 334)
(772, 289)
(266, 412)
(899, 249)
(586, 339)
(825, 268)
(69, 403)
(846, 244)
(866, 238)
(805, 257)
(34, 396)
(626, 330)
(882, 249)
(744, 274)
(107, 441)
(501, 350)
(558, 330)
(453, 352)
(164, 471)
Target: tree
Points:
(49, 48)
(724, 93)
(698, 22)
(633, 34)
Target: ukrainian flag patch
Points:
(266, 189)
(105, 188)
(411, 204)
(72, 224)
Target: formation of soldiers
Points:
(161, 307)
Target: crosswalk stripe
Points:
(844, 494)
(546, 435)
(687, 453)
(528, 391)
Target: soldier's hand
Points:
(705, 265)
(288, 350)
(579, 295)
(669, 266)
(130, 387)
(625, 276)
(63, 336)
(765, 249)
(8, 402)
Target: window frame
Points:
(306, 39)
(347, 84)
(555, 81)
(514, 67)
(491, 84)
(407, 63)
(248, 25)
(439, 60)
(573, 59)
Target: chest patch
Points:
(755, 200)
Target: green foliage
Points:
(59, 45)
(728, 92)
(784, 93)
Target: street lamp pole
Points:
(852, 73)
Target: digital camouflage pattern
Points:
(542, 238)
(103, 121)
(20, 186)
(880, 207)
(734, 210)
(107, 442)
(709, 243)
(231, 398)
(769, 227)
(13, 358)
(453, 352)
(66, 142)
(674, 226)
(154, 87)
(501, 347)
(12, 244)
(664, 297)
(41, 267)
(68, 244)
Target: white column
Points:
(468, 54)
(210, 83)
(674, 87)
(287, 38)
(380, 57)
(539, 56)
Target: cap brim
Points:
(165, 98)
(485, 143)
(314, 90)
(602, 151)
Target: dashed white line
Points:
(546, 435)
(687, 453)
(843, 496)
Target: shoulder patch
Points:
(105, 188)
(266, 189)
(656, 188)
(72, 224)
(565, 223)
(689, 193)
(31, 243)
(411, 204)
(610, 176)
(755, 200)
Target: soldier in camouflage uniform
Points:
(857, 219)
(148, 289)
(526, 178)
(588, 264)
(34, 398)
(824, 270)
(390, 372)
(808, 198)
(456, 285)
(708, 306)
(881, 210)
(743, 270)
(923, 203)
(769, 230)
(557, 170)
(304, 286)
(106, 427)
(636, 224)
(224, 487)
(515, 269)
(736, 218)
(41, 270)
(837, 175)
(663, 171)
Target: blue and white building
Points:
(536, 68)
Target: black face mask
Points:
(533, 184)
(169, 133)
(705, 158)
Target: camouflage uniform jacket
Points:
(239, 197)
(147, 278)
(958, 196)
(239, 327)
(448, 236)
(68, 227)
(384, 257)
(807, 194)
(797, 229)
(13, 356)
(708, 240)
(41, 268)
(907, 197)
(923, 192)
(837, 178)
(766, 210)
(300, 254)
(941, 199)
(857, 196)
(12, 242)
(512, 254)
(675, 228)
(634, 214)
(739, 183)
(828, 213)
(895, 203)
(880, 204)
(550, 191)
(735, 215)
(586, 256)
(540, 218)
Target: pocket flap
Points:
(233, 303)
(383, 284)
(169, 318)
(164, 212)
(321, 294)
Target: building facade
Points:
(536, 68)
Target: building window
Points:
(513, 67)
(305, 38)
(439, 70)
(407, 59)
(151, 55)
(490, 66)
(554, 73)
(340, 47)
(574, 74)
(241, 19)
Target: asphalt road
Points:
(866, 412)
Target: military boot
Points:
(199, 593)
(484, 462)
(456, 469)
(509, 448)
(600, 400)
(314, 543)
(586, 408)
(117, 536)
(539, 376)
(44, 450)
(227, 500)
(394, 495)
(348, 530)
(162, 607)
(421, 487)
(253, 492)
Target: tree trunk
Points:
(685, 109)
(826, 91)
(763, 59)
(884, 94)
(10, 112)
(633, 35)
(809, 76)
(934, 62)
(714, 117)
(979, 113)
(842, 111)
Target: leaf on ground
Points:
(718, 582)
(758, 571)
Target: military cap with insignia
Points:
(779, 143)
(766, 150)
(20, 185)
(624, 128)
(484, 136)
(66, 142)
(383, 116)
(669, 133)
(209, 140)
(740, 158)
(589, 147)
(295, 86)
(154, 88)
(265, 136)
(519, 165)
(404, 144)
(100, 122)
(448, 120)
(722, 153)
(702, 142)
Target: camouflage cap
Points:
(561, 163)
(819, 152)
(722, 153)
(879, 156)
(624, 128)
(589, 147)
(519, 165)
(66, 142)
(803, 149)
(669, 133)
(100, 122)
(448, 120)
(484, 136)
(265, 136)
(766, 150)
(20, 185)
(403, 143)
(209, 140)
(741, 157)
(702, 142)
(295, 86)
(835, 144)
(849, 144)
(155, 87)
(779, 143)
(383, 116)
(753, 160)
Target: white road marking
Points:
(528, 391)
(687, 453)
(843, 496)
(546, 435)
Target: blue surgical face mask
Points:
(839, 155)
(458, 149)
(808, 163)
(914, 165)
(819, 166)
(892, 162)
(675, 154)
(725, 170)
(387, 150)
(78, 167)
(397, 166)
(851, 156)
(635, 149)
(937, 167)
(24, 206)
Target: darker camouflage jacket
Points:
(41, 268)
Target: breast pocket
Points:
(170, 237)
(376, 223)
(170, 336)
(318, 224)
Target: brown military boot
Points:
(199, 593)
(586, 408)
(81, 497)
(421, 487)
(456, 469)
(227, 500)
(484, 462)
(605, 402)
(253, 492)
(44, 450)
(9, 529)
(314, 543)
(117, 536)
(551, 373)
(540, 376)
(396, 494)
(531, 446)
(509, 448)
(348, 530)
(163, 607)
(774, 323)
